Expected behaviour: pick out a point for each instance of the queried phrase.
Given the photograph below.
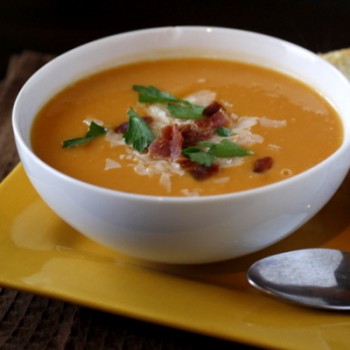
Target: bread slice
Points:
(340, 59)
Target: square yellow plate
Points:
(41, 254)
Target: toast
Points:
(340, 59)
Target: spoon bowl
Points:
(317, 277)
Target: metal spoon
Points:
(318, 278)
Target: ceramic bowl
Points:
(173, 229)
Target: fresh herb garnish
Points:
(223, 131)
(199, 156)
(150, 94)
(138, 134)
(94, 131)
(185, 111)
(205, 152)
(178, 107)
(225, 149)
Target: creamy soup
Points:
(186, 127)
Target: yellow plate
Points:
(41, 254)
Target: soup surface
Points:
(255, 126)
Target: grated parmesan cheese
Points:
(230, 162)
(115, 139)
(245, 123)
(221, 180)
(271, 123)
(111, 164)
(201, 98)
(147, 165)
(91, 119)
(274, 147)
(247, 138)
(165, 181)
(187, 193)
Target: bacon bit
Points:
(203, 123)
(263, 164)
(202, 172)
(186, 163)
(160, 148)
(199, 172)
(176, 142)
(219, 119)
(212, 108)
(213, 121)
(148, 119)
(123, 127)
(192, 136)
(168, 144)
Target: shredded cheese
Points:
(271, 123)
(111, 164)
(201, 98)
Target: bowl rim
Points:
(172, 199)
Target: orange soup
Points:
(186, 127)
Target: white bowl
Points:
(173, 229)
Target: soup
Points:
(186, 127)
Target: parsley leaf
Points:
(148, 94)
(205, 152)
(138, 135)
(178, 107)
(185, 111)
(94, 131)
(225, 149)
(223, 131)
(198, 156)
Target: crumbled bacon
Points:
(199, 172)
(192, 136)
(123, 127)
(168, 144)
(202, 172)
(203, 123)
(148, 119)
(219, 119)
(160, 148)
(186, 163)
(176, 142)
(213, 121)
(263, 164)
(212, 108)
